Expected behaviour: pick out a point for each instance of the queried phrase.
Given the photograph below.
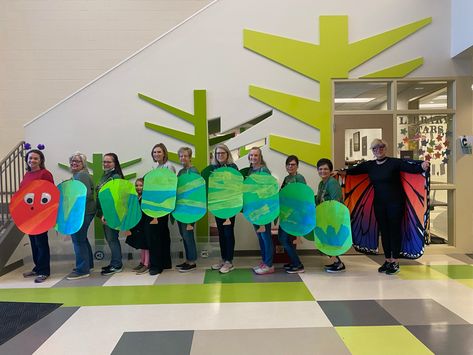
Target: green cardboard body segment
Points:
(260, 198)
(225, 198)
(71, 206)
(191, 198)
(297, 209)
(159, 193)
(333, 228)
(120, 205)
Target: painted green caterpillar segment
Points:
(159, 193)
(225, 197)
(260, 198)
(120, 205)
(333, 228)
(191, 198)
(71, 206)
(297, 209)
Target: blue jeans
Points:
(265, 244)
(40, 250)
(82, 248)
(226, 238)
(111, 236)
(189, 241)
(286, 242)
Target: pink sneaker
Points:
(265, 269)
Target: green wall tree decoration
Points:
(333, 58)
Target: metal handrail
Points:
(12, 169)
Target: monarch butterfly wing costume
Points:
(359, 198)
(416, 214)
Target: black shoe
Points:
(111, 270)
(287, 266)
(188, 267)
(337, 267)
(393, 268)
(106, 267)
(168, 267)
(296, 269)
(180, 266)
(155, 271)
(329, 266)
(384, 267)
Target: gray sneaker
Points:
(76, 276)
(40, 278)
(226, 268)
(217, 266)
(111, 270)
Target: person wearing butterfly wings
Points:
(389, 198)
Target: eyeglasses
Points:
(76, 161)
(291, 164)
(380, 146)
(220, 153)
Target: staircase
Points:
(12, 169)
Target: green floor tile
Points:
(162, 294)
(455, 271)
(420, 272)
(384, 340)
(235, 276)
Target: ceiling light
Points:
(354, 100)
(439, 105)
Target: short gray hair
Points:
(82, 157)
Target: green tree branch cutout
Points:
(333, 58)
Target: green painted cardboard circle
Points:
(260, 198)
(225, 196)
(159, 193)
(191, 198)
(297, 209)
(333, 228)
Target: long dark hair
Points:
(41, 159)
(118, 168)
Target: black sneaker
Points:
(155, 271)
(287, 266)
(106, 267)
(180, 266)
(337, 267)
(138, 267)
(188, 267)
(111, 270)
(384, 267)
(329, 266)
(393, 268)
(296, 269)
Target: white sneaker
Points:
(264, 269)
(217, 266)
(257, 266)
(227, 267)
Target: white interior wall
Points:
(207, 53)
(462, 26)
(49, 49)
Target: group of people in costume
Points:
(152, 234)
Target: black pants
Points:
(226, 238)
(389, 218)
(159, 244)
(40, 250)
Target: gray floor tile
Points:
(420, 312)
(28, 341)
(300, 341)
(95, 279)
(445, 339)
(462, 257)
(162, 343)
(176, 277)
(278, 276)
(356, 313)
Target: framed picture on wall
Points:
(356, 141)
(351, 147)
(364, 146)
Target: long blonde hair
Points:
(225, 148)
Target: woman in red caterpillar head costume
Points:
(389, 198)
(35, 170)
